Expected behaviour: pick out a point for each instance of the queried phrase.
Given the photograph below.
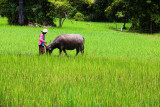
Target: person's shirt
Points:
(42, 37)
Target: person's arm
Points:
(41, 39)
(45, 44)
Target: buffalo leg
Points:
(65, 51)
(77, 51)
(60, 51)
(82, 49)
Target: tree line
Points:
(143, 14)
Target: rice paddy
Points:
(117, 69)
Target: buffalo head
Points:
(48, 48)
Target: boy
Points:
(42, 41)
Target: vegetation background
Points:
(143, 14)
(117, 69)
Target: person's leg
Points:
(41, 50)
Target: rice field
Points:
(117, 69)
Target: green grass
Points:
(117, 69)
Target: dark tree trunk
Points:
(124, 26)
(151, 27)
(21, 20)
(132, 27)
(60, 21)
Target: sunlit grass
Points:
(117, 69)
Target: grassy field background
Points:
(117, 69)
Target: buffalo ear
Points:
(50, 42)
(49, 48)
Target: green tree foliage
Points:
(62, 9)
(2, 5)
(98, 10)
(76, 2)
(82, 6)
(79, 16)
(41, 11)
(35, 11)
(144, 14)
(117, 12)
(68, 8)
(147, 15)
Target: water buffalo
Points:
(67, 42)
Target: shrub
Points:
(33, 11)
(79, 16)
(72, 13)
